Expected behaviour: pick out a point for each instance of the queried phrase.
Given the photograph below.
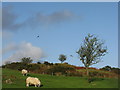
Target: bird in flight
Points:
(71, 55)
(38, 36)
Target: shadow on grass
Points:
(92, 79)
(34, 86)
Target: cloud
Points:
(6, 35)
(43, 20)
(25, 49)
(10, 47)
(55, 17)
(9, 19)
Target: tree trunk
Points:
(87, 71)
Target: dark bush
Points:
(93, 74)
(38, 62)
(51, 64)
(115, 70)
(19, 66)
(47, 63)
(91, 79)
(15, 66)
(100, 74)
(56, 64)
(112, 69)
(59, 68)
(65, 63)
(33, 67)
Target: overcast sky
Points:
(61, 28)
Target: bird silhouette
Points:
(38, 36)
(71, 55)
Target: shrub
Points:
(19, 66)
(56, 64)
(38, 62)
(91, 79)
(16, 66)
(33, 67)
(59, 68)
(115, 70)
(93, 74)
(74, 73)
(58, 73)
(47, 63)
(51, 64)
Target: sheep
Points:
(33, 81)
(24, 72)
(8, 81)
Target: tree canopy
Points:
(26, 60)
(91, 50)
(62, 58)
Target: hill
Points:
(48, 81)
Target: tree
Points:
(26, 60)
(107, 68)
(62, 58)
(46, 63)
(38, 62)
(91, 51)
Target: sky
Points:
(61, 27)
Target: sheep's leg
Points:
(38, 85)
(35, 85)
(27, 85)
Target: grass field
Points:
(49, 81)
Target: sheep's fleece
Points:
(24, 72)
(33, 81)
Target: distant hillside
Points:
(64, 69)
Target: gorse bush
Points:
(58, 73)
(47, 63)
(74, 73)
(59, 68)
(109, 68)
(101, 74)
(98, 74)
(33, 67)
(93, 74)
(16, 66)
(19, 66)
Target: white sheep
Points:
(24, 72)
(8, 81)
(33, 81)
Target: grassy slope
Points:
(55, 81)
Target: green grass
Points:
(49, 81)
